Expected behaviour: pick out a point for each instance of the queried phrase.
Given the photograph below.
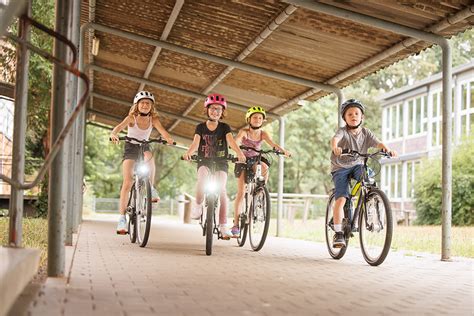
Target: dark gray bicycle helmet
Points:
(351, 103)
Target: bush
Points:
(428, 188)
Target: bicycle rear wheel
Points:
(211, 205)
(130, 214)
(259, 218)
(336, 253)
(143, 212)
(376, 227)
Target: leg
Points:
(239, 197)
(341, 183)
(151, 165)
(265, 172)
(221, 177)
(127, 170)
(202, 175)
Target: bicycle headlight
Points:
(211, 186)
(143, 169)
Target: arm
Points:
(383, 147)
(231, 141)
(240, 135)
(162, 131)
(336, 149)
(270, 142)
(194, 146)
(117, 129)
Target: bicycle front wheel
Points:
(211, 204)
(336, 253)
(259, 218)
(376, 227)
(244, 226)
(131, 216)
(143, 212)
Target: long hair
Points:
(134, 111)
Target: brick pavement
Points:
(173, 276)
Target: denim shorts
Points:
(342, 178)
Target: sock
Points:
(338, 228)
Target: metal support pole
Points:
(447, 167)
(446, 206)
(71, 226)
(57, 178)
(281, 162)
(19, 133)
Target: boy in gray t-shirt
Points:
(354, 137)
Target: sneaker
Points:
(196, 211)
(235, 231)
(338, 240)
(154, 195)
(122, 225)
(225, 232)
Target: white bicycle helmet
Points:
(143, 95)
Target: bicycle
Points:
(367, 211)
(255, 219)
(138, 211)
(211, 200)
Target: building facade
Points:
(6, 138)
(412, 125)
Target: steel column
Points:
(58, 172)
(281, 173)
(446, 208)
(19, 134)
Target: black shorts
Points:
(239, 167)
(131, 150)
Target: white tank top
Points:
(137, 132)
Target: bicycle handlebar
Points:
(350, 152)
(149, 141)
(273, 150)
(196, 158)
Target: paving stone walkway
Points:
(173, 276)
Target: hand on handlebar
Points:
(187, 156)
(114, 138)
(337, 151)
(241, 157)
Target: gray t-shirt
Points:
(361, 143)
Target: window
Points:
(436, 119)
(393, 122)
(6, 118)
(417, 115)
(467, 108)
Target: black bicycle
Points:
(211, 199)
(138, 211)
(255, 219)
(367, 211)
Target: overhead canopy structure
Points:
(179, 51)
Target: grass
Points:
(411, 238)
(35, 235)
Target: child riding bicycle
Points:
(251, 136)
(140, 121)
(211, 140)
(344, 168)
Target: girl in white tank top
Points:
(140, 122)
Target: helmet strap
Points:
(255, 127)
(354, 127)
(144, 114)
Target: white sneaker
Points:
(225, 232)
(122, 225)
(196, 211)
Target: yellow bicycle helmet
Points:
(253, 110)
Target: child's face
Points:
(256, 119)
(144, 105)
(353, 116)
(215, 111)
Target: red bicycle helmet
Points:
(215, 98)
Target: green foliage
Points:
(428, 188)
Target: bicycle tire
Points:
(244, 226)
(365, 231)
(259, 215)
(132, 227)
(143, 214)
(211, 203)
(335, 253)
